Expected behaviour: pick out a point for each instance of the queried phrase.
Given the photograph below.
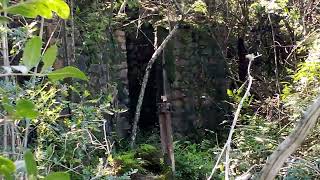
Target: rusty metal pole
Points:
(165, 122)
(166, 132)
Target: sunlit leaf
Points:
(31, 165)
(44, 8)
(24, 9)
(4, 19)
(32, 52)
(49, 57)
(60, 7)
(7, 168)
(26, 108)
(67, 72)
(58, 176)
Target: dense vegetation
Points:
(65, 112)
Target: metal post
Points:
(166, 132)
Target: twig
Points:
(227, 146)
(123, 6)
(49, 40)
(5, 53)
(22, 74)
(5, 134)
(25, 144)
(275, 55)
(145, 81)
(300, 43)
(41, 27)
(109, 149)
(13, 138)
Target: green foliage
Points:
(199, 6)
(146, 159)
(67, 72)
(32, 52)
(7, 168)
(31, 165)
(58, 176)
(237, 94)
(193, 161)
(49, 57)
(146, 149)
(44, 8)
(256, 139)
(4, 19)
(302, 169)
(23, 108)
(26, 108)
(31, 58)
(127, 161)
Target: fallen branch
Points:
(291, 143)
(145, 81)
(227, 147)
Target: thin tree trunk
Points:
(145, 81)
(227, 147)
(73, 48)
(292, 142)
(5, 54)
(26, 134)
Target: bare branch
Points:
(123, 6)
(292, 142)
(145, 81)
(227, 146)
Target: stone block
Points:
(119, 33)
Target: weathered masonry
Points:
(196, 78)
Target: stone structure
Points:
(196, 79)
(196, 76)
(199, 88)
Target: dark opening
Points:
(139, 51)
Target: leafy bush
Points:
(146, 159)
(9, 170)
(193, 161)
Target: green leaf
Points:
(7, 105)
(67, 72)
(49, 57)
(44, 8)
(32, 52)
(4, 19)
(58, 176)
(7, 168)
(24, 9)
(4, 2)
(26, 108)
(31, 165)
(60, 7)
(229, 93)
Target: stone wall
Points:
(199, 88)
(196, 76)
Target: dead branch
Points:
(227, 147)
(292, 142)
(122, 7)
(145, 81)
